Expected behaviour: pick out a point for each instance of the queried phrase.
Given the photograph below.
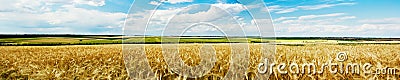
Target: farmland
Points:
(107, 62)
(57, 40)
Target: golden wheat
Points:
(106, 61)
(62, 62)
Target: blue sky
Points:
(301, 18)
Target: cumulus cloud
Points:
(58, 16)
(40, 6)
(213, 13)
(72, 16)
(280, 9)
(328, 25)
(283, 18)
(382, 21)
(154, 2)
(331, 18)
(318, 16)
(363, 30)
(287, 10)
(43, 5)
(233, 8)
(320, 6)
(181, 18)
(274, 8)
(176, 1)
(90, 2)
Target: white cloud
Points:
(318, 16)
(363, 30)
(283, 18)
(274, 8)
(379, 28)
(234, 8)
(201, 29)
(331, 18)
(347, 17)
(286, 10)
(388, 27)
(154, 3)
(40, 6)
(332, 25)
(382, 21)
(320, 6)
(181, 18)
(176, 1)
(57, 16)
(280, 10)
(90, 2)
(72, 16)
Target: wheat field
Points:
(107, 61)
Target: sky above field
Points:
(291, 18)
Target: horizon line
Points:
(197, 36)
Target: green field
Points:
(57, 41)
(98, 40)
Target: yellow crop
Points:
(106, 61)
